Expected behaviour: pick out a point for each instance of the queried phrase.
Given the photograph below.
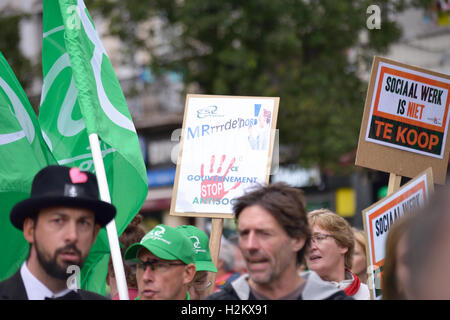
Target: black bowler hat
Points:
(63, 186)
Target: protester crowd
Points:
(289, 254)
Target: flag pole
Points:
(116, 255)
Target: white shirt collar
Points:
(35, 289)
(344, 283)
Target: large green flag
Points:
(80, 96)
(23, 153)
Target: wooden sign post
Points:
(225, 149)
(214, 247)
(394, 183)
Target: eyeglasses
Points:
(317, 238)
(157, 265)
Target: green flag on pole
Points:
(81, 96)
(23, 153)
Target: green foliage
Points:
(9, 45)
(24, 70)
(297, 50)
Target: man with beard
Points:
(273, 234)
(61, 221)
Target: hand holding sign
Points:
(212, 186)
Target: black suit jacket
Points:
(14, 289)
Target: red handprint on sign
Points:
(212, 186)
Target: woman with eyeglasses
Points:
(330, 253)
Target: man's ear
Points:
(298, 243)
(28, 230)
(189, 273)
(219, 264)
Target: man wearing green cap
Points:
(165, 264)
(202, 260)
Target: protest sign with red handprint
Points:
(212, 187)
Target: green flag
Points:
(23, 153)
(80, 96)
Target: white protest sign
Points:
(226, 148)
(379, 217)
(409, 110)
(404, 127)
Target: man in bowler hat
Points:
(61, 221)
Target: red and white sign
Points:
(378, 220)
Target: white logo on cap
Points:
(156, 234)
(158, 231)
(196, 244)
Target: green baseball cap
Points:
(164, 242)
(200, 245)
